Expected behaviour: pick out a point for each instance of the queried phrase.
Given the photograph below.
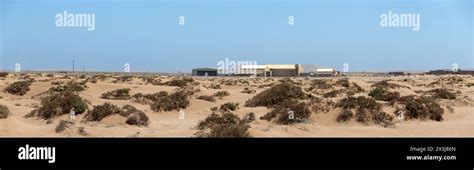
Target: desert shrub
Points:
(4, 112)
(221, 94)
(69, 86)
(386, 84)
(101, 111)
(289, 112)
(177, 100)
(207, 98)
(225, 125)
(248, 91)
(276, 95)
(343, 82)
(3, 74)
(357, 87)
(249, 117)
(229, 106)
(423, 108)
(60, 103)
(118, 94)
(215, 86)
(443, 93)
(379, 93)
(469, 84)
(319, 105)
(320, 84)
(367, 110)
(19, 87)
(63, 125)
(99, 77)
(344, 116)
(124, 78)
(332, 93)
(179, 82)
(156, 96)
(133, 115)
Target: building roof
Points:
(325, 70)
(280, 66)
(204, 69)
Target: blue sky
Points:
(147, 35)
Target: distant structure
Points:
(273, 70)
(396, 73)
(204, 72)
(446, 71)
(325, 72)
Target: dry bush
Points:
(357, 87)
(174, 101)
(319, 105)
(123, 79)
(182, 82)
(4, 74)
(19, 87)
(367, 110)
(4, 112)
(69, 86)
(333, 93)
(379, 93)
(249, 117)
(320, 84)
(207, 98)
(134, 116)
(386, 84)
(289, 112)
(59, 103)
(221, 94)
(101, 111)
(344, 116)
(214, 86)
(422, 108)
(276, 95)
(248, 91)
(229, 106)
(443, 93)
(118, 94)
(343, 82)
(63, 125)
(224, 125)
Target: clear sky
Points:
(147, 35)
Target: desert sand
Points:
(458, 123)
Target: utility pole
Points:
(72, 66)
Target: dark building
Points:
(204, 71)
(396, 73)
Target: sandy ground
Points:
(167, 124)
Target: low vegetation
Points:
(19, 87)
(69, 86)
(207, 98)
(423, 108)
(276, 95)
(174, 101)
(58, 104)
(288, 112)
(366, 110)
(380, 93)
(133, 115)
(443, 93)
(223, 125)
(118, 94)
(4, 112)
